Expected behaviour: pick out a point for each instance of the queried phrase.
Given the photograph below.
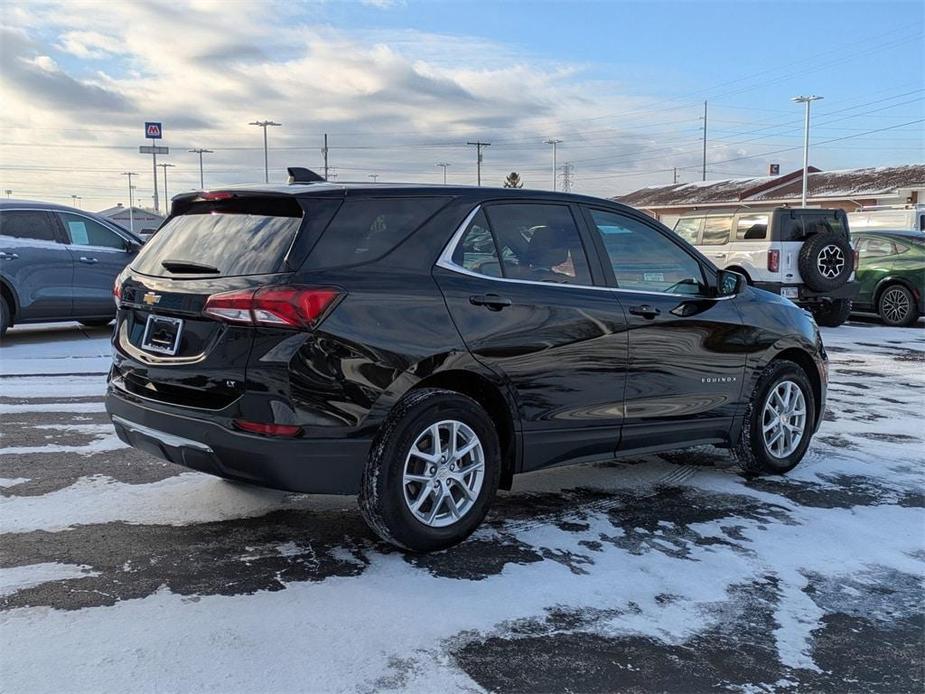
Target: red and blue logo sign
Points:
(153, 130)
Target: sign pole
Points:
(157, 207)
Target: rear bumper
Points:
(849, 290)
(318, 466)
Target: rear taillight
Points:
(117, 291)
(773, 260)
(266, 429)
(216, 195)
(282, 307)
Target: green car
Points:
(891, 274)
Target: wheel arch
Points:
(888, 281)
(805, 361)
(12, 300)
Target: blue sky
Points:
(400, 86)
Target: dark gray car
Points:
(59, 263)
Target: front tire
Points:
(432, 472)
(833, 313)
(896, 306)
(779, 421)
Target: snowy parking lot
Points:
(119, 572)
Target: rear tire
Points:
(833, 313)
(410, 481)
(4, 316)
(757, 451)
(896, 306)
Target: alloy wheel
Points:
(895, 305)
(783, 421)
(443, 473)
(830, 261)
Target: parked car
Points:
(59, 263)
(418, 346)
(802, 254)
(910, 217)
(891, 274)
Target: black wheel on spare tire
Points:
(96, 323)
(833, 313)
(432, 472)
(779, 421)
(826, 261)
(896, 306)
(4, 316)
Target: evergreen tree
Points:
(513, 180)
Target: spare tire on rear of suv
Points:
(826, 261)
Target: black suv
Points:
(418, 346)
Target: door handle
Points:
(492, 302)
(89, 261)
(645, 311)
(8, 256)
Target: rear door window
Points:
(539, 242)
(716, 231)
(240, 236)
(476, 251)
(29, 224)
(752, 227)
(365, 229)
(689, 228)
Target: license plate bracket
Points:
(162, 334)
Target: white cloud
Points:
(88, 45)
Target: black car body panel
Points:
(568, 371)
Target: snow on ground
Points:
(668, 572)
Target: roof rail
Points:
(299, 174)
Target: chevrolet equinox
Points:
(418, 346)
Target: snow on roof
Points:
(845, 183)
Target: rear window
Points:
(241, 236)
(752, 228)
(365, 229)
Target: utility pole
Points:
(444, 165)
(375, 177)
(166, 198)
(76, 199)
(324, 151)
(200, 152)
(805, 100)
(266, 160)
(555, 143)
(675, 175)
(704, 141)
(332, 173)
(131, 201)
(567, 170)
(478, 148)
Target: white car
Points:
(804, 254)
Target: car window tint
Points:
(366, 228)
(476, 250)
(752, 228)
(876, 247)
(688, 229)
(82, 231)
(645, 260)
(716, 231)
(28, 224)
(539, 242)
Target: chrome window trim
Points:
(445, 261)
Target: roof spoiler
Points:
(299, 174)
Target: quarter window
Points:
(716, 231)
(688, 229)
(82, 231)
(539, 242)
(752, 228)
(645, 260)
(476, 250)
(28, 224)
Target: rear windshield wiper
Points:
(188, 266)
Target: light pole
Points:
(200, 152)
(805, 100)
(555, 143)
(444, 165)
(375, 177)
(166, 197)
(266, 162)
(131, 200)
(76, 199)
(9, 193)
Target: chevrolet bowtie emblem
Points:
(150, 298)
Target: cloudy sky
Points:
(402, 86)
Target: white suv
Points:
(804, 254)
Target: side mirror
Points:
(132, 246)
(729, 283)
